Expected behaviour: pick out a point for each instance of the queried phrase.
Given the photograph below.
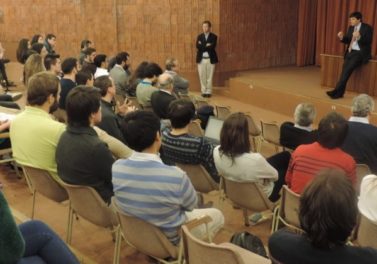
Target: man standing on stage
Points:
(206, 58)
(358, 39)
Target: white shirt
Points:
(249, 167)
(100, 72)
(355, 44)
(359, 119)
(307, 128)
(368, 197)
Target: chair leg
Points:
(70, 225)
(28, 182)
(246, 217)
(275, 220)
(33, 205)
(118, 242)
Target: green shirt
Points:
(144, 91)
(35, 136)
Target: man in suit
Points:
(206, 58)
(161, 99)
(358, 40)
(361, 140)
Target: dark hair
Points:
(82, 101)
(139, 72)
(50, 60)
(207, 22)
(40, 86)
(103, 83)
(99, 59)
(89, 51)
(121, 57)
(35, 39)
(181, 112)
(234, 136)
(85, 43)
(151, 70)
(140, 129)
(332, 130)
(22, 50)
(50, 36)
(37, 47)
(111, 64)
(357, 15)
(68, 65)
(328, 209)
(82, 77)
(89, 67)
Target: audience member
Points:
(368, 197)
(361, 139)
(146, 87)
(68, 82)
(33, 65)
(101, 63)
(81, 157)
(89, 67)
(53, 64)
(120, 74)
(180, 147)
(146, 188)
(50, 43)
(86, 43)
(180, 84)
(3, 71)
(40, 49)
(84, 78)
(136, 78)
(301, 132)
(307, 160)
(37, 39)
(23, 50)
(90, 54)
(161, 99)
(327, 215)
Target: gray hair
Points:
(170, 63)
(362, 105)
(304, 114)
(165, 83)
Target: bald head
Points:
(165, 81)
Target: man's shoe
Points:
(209, 95)
(330, 93)
(336, 96)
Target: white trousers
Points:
(206, 70)
(213, 227)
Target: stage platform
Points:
(282, 89)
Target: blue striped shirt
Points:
(146, 188)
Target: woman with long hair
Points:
(33, 65)
(23, 50)
(37, 39)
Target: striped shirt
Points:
(148, 189)
(307, 160)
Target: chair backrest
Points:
(361, 171)
(199, 177)
(144, 236)
(271, 132)
(367, 233)
(254, 130)
(195, 129)
(247, 195)
(42, 182)
(222, 112)
(86, 202)
(289, 207)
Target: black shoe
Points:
(336, 96)
(209, 95)
(203, 95)
(11, 84)
(330, 93)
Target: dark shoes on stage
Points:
(206, 95)
(334, 95)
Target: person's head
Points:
(23, 47)
(51, 39)
(181, 112)
(304, 114)
(42, 89)
(141, 129)
(37, 39)
(89, 67)
(90, 54)
(139, 72)
(355, 18)
(171, 64)
(152, 71)
(332, 130)
(122, 58)
(106, 85)
(40, 49)
(362, 105)
(165, 82)
(100, 61)
(206, 26)
(69, 66)
(111, 63)
(33, 65)
(328, 209)
(53, 63)
(86, 43)
(234, 136)
(83, 106)
(84, 78)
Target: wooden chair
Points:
(367, 233)
(255, 133)
(195, 129)
(222, 112)
(146, 238)
(197, 251)
(199, 177)
(361, 171)
(271, 133)
(287, 212)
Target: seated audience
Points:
(23, 50)
(361, 140)
(68, 82)
(37, 39)
(162, 98)
(3, 72)
(53, 64)
(180, 84)
(146, 88)
(101, 63)
(327, 214)
(84, 78)
(368, 197)
(180, 147)
(30, 242)
(301, 132)
(86, 43)
(81, 157)
(136, 78)
(146, 188)
(120, 74)
(307, 160)
(39, 49)
(235, 160)
(50, 43)
(33, 65)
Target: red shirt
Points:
(307, 160)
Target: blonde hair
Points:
(33, 65)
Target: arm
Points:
(346, 39)
(213, 43)
(200, 45)
(111, 126)
(103, 161)
(265, 170)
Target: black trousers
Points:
(3, 72)
(280, 162)
(352, 60)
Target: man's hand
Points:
(356, 34)
(199, 42)
(4, 125)
(126, 107)
(340, 35)
(208, 44)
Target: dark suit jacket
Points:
(365, 41)
(160, 102)
(292, 137)
(201, 43)
(110, 121)
(361, 144)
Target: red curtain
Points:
(329, 17)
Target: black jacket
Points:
(201, 43)
(365, 41)
(160, 102)
(291, 137)
(110, 121)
